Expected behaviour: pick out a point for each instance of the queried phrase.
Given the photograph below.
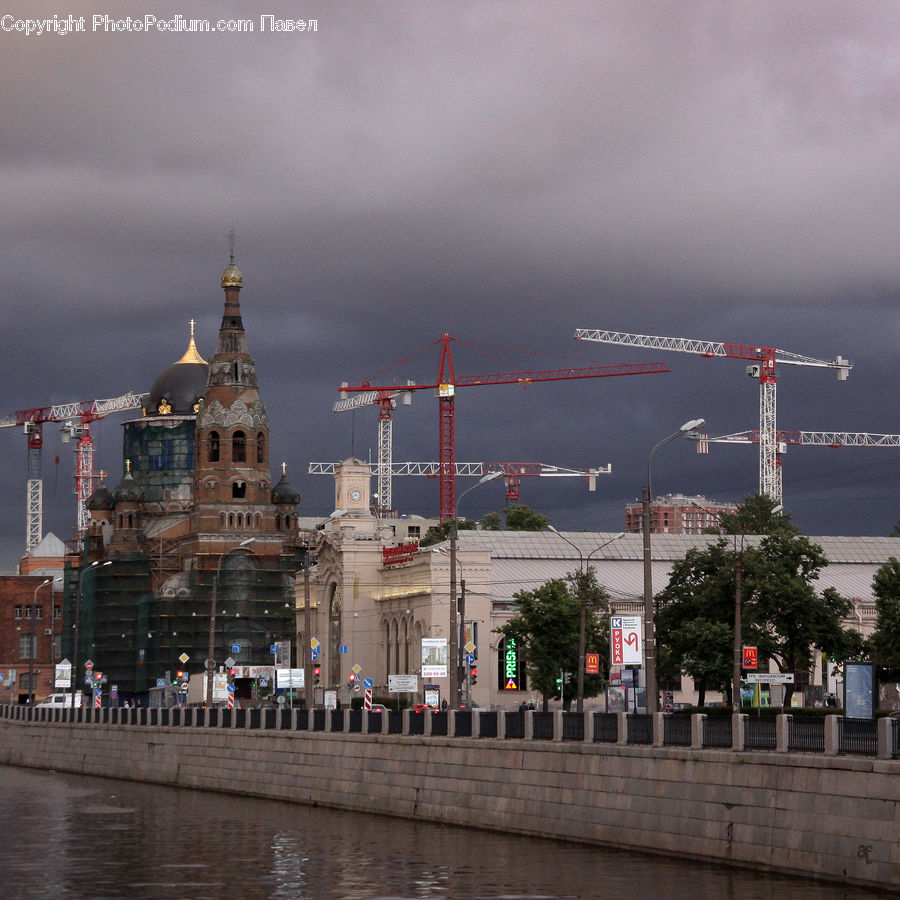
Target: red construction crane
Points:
(764, 359)
(32, 421)
(448, 382)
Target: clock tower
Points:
(352, 492)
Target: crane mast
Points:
(763, 369)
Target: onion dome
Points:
(128, 490)
(284, 492)
(179, 388)
(231, 277)
(101, 498)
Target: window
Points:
(27, 646)
(57, 613)
(239, 490)
(239, 447)
(260, 447)
(214, 446)
(17, 614)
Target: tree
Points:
(490, 522)
(547, 624)
(441, 532)
(755, 516)
(520, 517)
(695, 619)
(781, 611)
(884, 644)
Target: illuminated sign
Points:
(625, 640)
(402, 553)
(511, 666)
(750, 657)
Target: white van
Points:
(60, 701)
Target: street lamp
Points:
(454, 655)
(95, 564)
(31, 641)
(582, 661)
(307, 616)
(210, 656)
(651, 701)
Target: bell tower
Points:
(232, 480)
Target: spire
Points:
(192, 355)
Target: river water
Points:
(66, 836)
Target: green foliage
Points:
(884, 644)
(490, 522)
(441, 532)
(520, 517)
(755, 516)
(781, 611)
(547, 624)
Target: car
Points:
(378, 708)
(422, 707)
(468, 704)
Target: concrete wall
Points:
(833, 818)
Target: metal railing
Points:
(786, 733)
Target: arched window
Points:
(238, 490)
(240, 520)
(277, 522)
(260, 447)
(214, 446)
(239, 447)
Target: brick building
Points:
(677, 514)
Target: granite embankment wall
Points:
(826, 817)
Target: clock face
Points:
(355, 495)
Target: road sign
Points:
(469, 659)
(625, 640)
(229, 663)
(160, 682)
(356, 669)
(469, 647)
(770, 678)
(750, 657)
(314, 653)
(184, 658)
(342, 648)
(89, 664)
(368, 683)
(235, 648)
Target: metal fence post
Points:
(622, 725)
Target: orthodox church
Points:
(195, 526)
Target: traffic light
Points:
(473, 674)
(351, 678)
(232, 674)
(179, 677)
(317, 671)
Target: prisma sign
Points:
(625, 640)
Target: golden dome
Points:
(231, 277)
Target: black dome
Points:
(100, 499)
(285, 492)
(177, 390)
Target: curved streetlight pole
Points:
(454, 659)
(72, 679)
(31, 640)
(210, 656)
(652, 700)
(582, 602)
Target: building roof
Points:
(523, 560)
(50, 546)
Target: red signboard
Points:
(750, 657)
(592, 664)
(402, 553)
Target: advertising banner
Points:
(625, 640)
(434, 657)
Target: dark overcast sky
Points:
(502, 171)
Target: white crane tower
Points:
(763, 368)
